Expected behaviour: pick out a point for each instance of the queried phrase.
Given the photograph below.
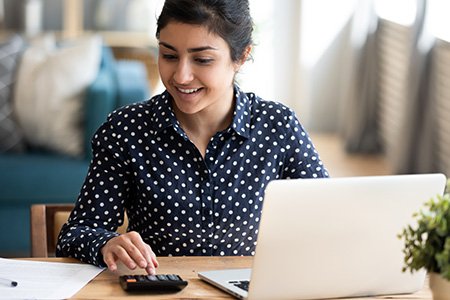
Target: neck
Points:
(201, 126)
(210, 120)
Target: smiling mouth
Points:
(188, 91)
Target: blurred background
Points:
(366, 71)
(369, 79)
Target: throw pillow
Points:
(11, 138)
(49, 94)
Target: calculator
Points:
(160, 282)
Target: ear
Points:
(245, 56)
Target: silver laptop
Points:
(329, 238)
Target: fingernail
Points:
(143, 264)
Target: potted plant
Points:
(428, 244)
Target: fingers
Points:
(130, 249)
(149, 262)
(110, 261)
(153, 263)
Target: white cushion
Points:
(49, 92)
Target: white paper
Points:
(44, 280)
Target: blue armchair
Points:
(45, 177)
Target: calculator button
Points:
(162, 277)
(152, 278)
(173, 277)
(140, 278)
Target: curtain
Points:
(439, 118)
(392, 104)
(422, 143)
(359, 121)
(2, 14)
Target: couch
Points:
(40, 176)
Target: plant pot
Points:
(440, 287)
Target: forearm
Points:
(83, 242)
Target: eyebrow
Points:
(190, 50)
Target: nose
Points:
(183, 72)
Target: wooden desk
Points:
(106, 285)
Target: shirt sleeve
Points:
(301, 158)
(99, 209)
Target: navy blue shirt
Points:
(180, 202)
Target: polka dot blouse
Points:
(179, 201)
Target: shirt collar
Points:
(165, 117)
(241, 116)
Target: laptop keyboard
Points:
(242, 284)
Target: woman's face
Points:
(196, 68)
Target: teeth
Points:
(188, 91)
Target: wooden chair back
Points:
(46, 223)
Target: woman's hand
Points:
(130, 249)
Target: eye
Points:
(204, 61)
(169, 57)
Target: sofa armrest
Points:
(132, 82)
(118, 83)
(100, 101)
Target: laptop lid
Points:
(336, 237)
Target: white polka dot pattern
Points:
(180, 202)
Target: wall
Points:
(323, 98)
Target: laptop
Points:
(331, 238)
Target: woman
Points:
(190, 165)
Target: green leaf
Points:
(427, 244)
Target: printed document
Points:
(43, 280)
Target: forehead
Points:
(186, 36)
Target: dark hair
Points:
(229, 19)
